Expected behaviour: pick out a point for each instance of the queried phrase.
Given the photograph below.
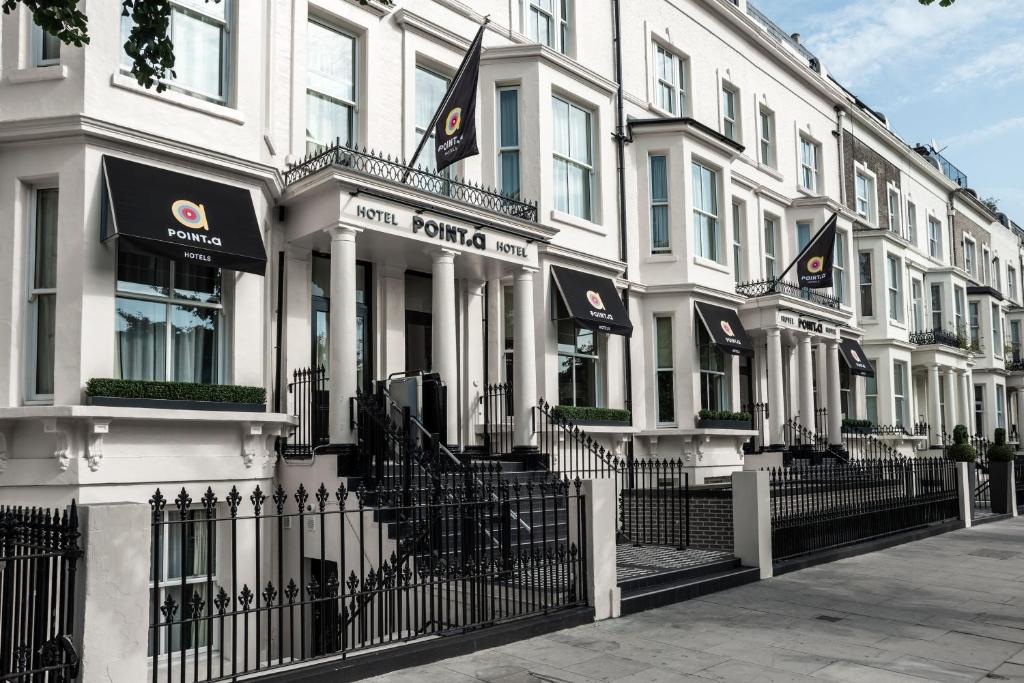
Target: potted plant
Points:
(124, 393)
(587, 416)
(1000, 471)
(856, 426)
(723, 419)
(963, 451)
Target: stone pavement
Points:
(948, 608)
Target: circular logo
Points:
(816, 264)
(595, 300)
(854, 355)
(190, 214)
(727, 328)
(454, 121)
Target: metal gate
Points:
(39, 552)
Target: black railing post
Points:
(407, 450)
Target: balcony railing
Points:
(377, 165)
(941, 337)
(776, 32)
(1015, 362)
(759, 288)
(948, 169)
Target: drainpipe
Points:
(620, 153)
(840, 117)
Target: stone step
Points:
(663, 594)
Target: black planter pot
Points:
(724, 424)
(169, 404)
(602, 423)
(1000, 488)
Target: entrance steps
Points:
(655, 576)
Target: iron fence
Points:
(1018, 474)
(311, 406)
(865, 444)
(772, 287)
(818, 508)
(39, 554)
(384, 167)
(497, 400)
(982, 472)
(759, 420)
(954, 338)
(249, 584)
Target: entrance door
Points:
(418, 317)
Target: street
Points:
(947, 608)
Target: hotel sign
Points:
(440, 229)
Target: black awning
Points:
(855, 359)
(725, 328)
(191, 220)
(592, 301)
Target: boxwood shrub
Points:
(723, 415)
(581, 413)
(175, 391)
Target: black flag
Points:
(455, 127)
(814, 264)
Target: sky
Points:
(954, 75)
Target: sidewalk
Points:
(948, 608)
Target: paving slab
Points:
(949, 608)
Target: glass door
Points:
(418, 317)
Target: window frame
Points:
(767, 138)
(227, 26)
(917, 303)
(866, 284)
(353, 106)
(959, 295)
(870, 200)
(559, 19)
(933, 310)
(970, 263)
(974, 323)
(895, 217)
(507, 149)
(871, 399)
(911, 222)
(934, 238)
(770, 231)
(807, 143)
(169, 301)
(596, 356)
(729, 103)
(997, 331)
(702, 341)
(659, 203)
(1000, 406)
(738, 228)
(899, 392)
(679, 68)
(714, 218)
(1011, 284)
(37, 44)
(894, 283)
(659, 369)
(31, 394)
(839, 289)
(589, 168)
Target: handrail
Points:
(773, 286)
(606, 462)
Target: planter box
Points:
(1000, 487)
(167, 404)
(602, 423)
(724, 424)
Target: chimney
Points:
(796, 38)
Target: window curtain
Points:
(141, 339)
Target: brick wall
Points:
(963, 225)
(658, 516)
(854, 150)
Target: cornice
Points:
(566, 65)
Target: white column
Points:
(776, 402)
(806, 382)
(342, 333)
(443, 331)
(524, 386)
(934, 404)
(951, 399)
(821, 379)
(495, 332)
(474, 346)
(835, 411)
(734, 383)
(965, 398)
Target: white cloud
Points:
(993, 130)
(867, 38)
(1001, 64)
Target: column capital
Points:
(832, 343)
(441, 254)
(525, 272)
(774, 331)
(342, 232)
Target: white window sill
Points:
(576, 222)
(35, 74)
(770, 170)
(662, 258)
(119, 80)
(807, 193)
(713, 265)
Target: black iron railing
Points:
(39, 554)
(983, 483)
(499, 418)
(941, 337)
(824, 507)
(759, 420)
(772, 287)
(571, 452)
(863, 444)
(303, 575)
(1015, 363)
(393, 169)
(1018, 473)
(310, 404)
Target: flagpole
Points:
(444, 101)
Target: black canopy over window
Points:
(855, 359)
(725, 328)
(191, 220)
(592, 301)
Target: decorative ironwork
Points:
(311, 407)
(39, 554)
(941, 337)
(287, 590)
(819, 508)
(385, 167)
(759, 288)
(499, 417)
